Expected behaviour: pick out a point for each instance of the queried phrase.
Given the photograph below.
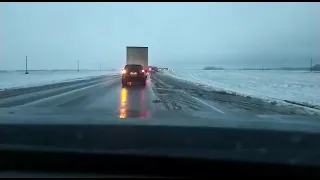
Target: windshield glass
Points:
(223, 62)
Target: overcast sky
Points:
(185, 35)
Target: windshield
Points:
(157, 63)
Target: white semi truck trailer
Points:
(137, 55)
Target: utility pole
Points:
(100, 67)
(311, 65)
(27, 65)
(78, 65)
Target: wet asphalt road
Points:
(160, 93)
(106, 94)
(102, 93)
(110, 96)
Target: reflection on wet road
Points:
(123, 108)
(134, 103)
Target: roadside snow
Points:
(294, 86)
(17, 79)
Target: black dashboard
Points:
(155, 151)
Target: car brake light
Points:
(123, 71)
(142, 70)
(149, 69)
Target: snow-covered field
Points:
(296, 86)
(17, 79)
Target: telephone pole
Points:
(100, 67)
(78, 65)
(27, 65)
(311, 64)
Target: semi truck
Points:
(137, 55)
(136, 66)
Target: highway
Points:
(161, 93)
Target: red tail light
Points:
(149, 69)
(123, 71)
(142, 70)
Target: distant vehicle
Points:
(138, 55)
(153, 69)
(133, 73)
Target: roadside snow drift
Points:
(294, 86)
(18, 79)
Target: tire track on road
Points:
(179, 100)
(218, 100)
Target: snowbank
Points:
(17, 79)
(295, 86)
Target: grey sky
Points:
(188, 35)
